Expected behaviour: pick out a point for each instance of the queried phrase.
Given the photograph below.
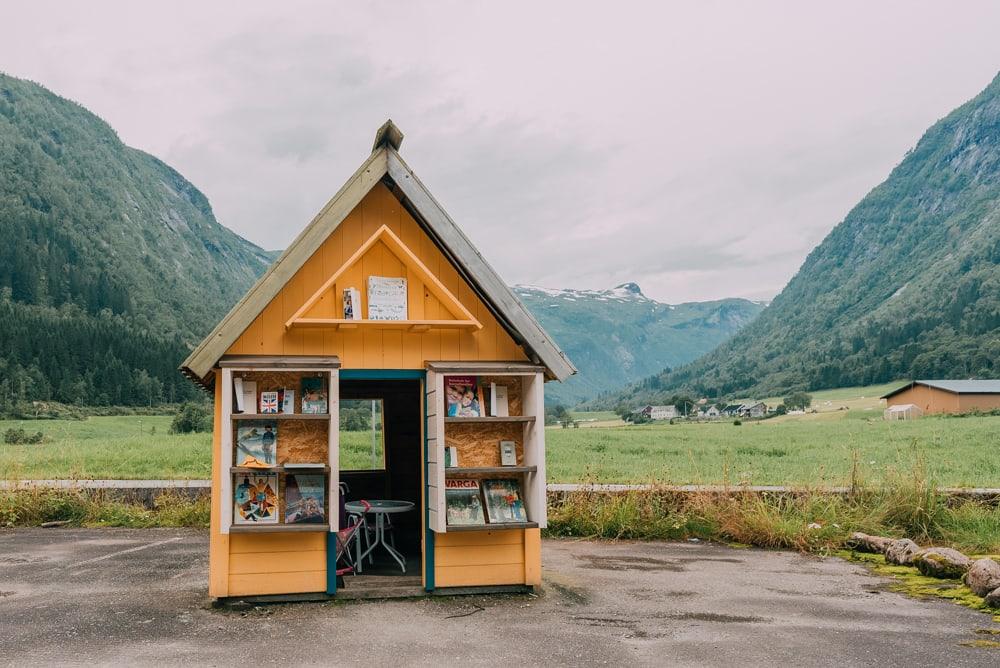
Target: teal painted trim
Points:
(331, 563)
(382, 374)
(428, 534)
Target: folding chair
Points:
(347, 538)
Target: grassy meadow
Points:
(845, 440)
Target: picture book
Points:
(498, 400)
(314, 397)
(463, 397)
(255, 499)
(504, 501)
(305, 497)
(268, 403)
(256, 443)
(386, 298)
(463, 505)
(287, 401)
(508, 453)
(352, 304)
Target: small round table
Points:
(379, 508)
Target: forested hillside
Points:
(618, 336)
(908, 285)
(112, 263)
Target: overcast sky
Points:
(700, 149)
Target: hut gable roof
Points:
(386, 166)
(953, 386)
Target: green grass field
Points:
(814, 449)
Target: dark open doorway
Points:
(381, 459)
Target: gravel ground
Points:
(138, 597)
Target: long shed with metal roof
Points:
(947, 396)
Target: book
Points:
(450, 456)
(386, 298)
(504, 501)
(255, 499)
(256, 443)
(268, 403)
(463, 398)
(498, 400)
(288, 401)
(462, 503)
(305, 499)
(249, 395)
(313, 396)
(352, 304)
(238, 394)
(508, 453)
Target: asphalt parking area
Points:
(138, 597)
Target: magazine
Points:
(464, 398)
(256, 443)
(313, 396)
(504, 501)
(305, 497)
(464, 507)
(255, 499)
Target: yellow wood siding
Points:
(276, 563)
(471, 558)
(367, 348)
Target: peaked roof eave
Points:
(474, 268)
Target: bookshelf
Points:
(477, 440)
(303, 440)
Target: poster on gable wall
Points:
(386, 298)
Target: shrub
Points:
(737, 422)
(19, 436)
(192, 417)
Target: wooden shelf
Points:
(488, 418)
(278, 469)
(473, 470)
(278, 528)
(493, 527)
(411, 325)
(281, 416)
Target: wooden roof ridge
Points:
(383, 164)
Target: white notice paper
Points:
(386, 298)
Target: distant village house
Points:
(658, 412)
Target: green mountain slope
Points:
(908, 285)
(618, 336)
(112, 263)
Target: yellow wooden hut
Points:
(379, 361)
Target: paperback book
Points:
(508, 453)
(256, 443)
(314, 397)
(352, 304)
(464, 398)
(249, 395)
(287, 401)
(268, 403)
(305, 498)
(504, 501)
(255, 499)
(463, 505)
(498, 400)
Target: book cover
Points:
(498, 401)
(504, 501)
(352, 304)
(461, 396)
(314, 397)
(238, 394)
(249, 395)
(268, 403)
(288, 401)
(508, 453)
(463, 505)
(256, 443)
(305, 499)
(386, 298)
(255, 499)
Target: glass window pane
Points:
(362, 442)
